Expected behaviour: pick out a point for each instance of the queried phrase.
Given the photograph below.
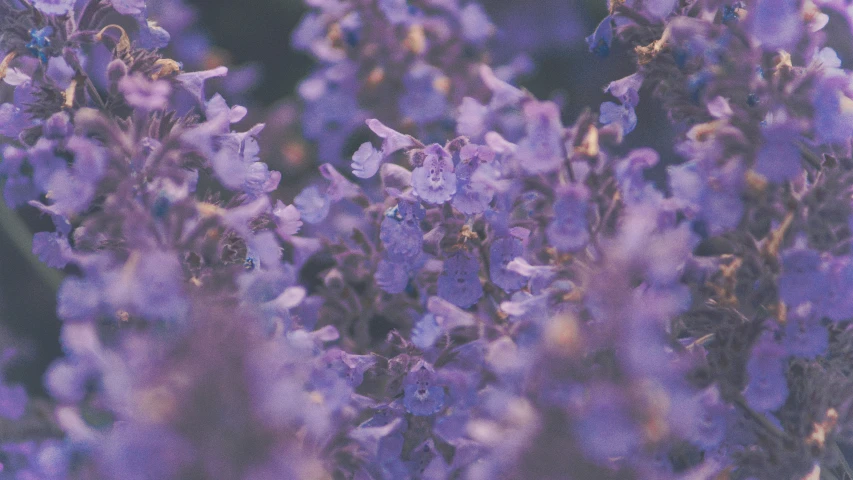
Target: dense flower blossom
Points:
(493, 288)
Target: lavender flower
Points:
(435, 180)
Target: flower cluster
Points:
(487, 288)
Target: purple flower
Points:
(78, 300)
(833, 117)
(193, 82)
(606, 429)
(426, 332)
(144, 94)
(631, 177)
(804, 335)
(622, 115)
(542, 149)
(54, 7)
(473, 195)
(401, 233)
(471, 118)
(66, 380)
(503, 94)
(313, 206)
(476, 26)
(802, 278)
(599, 42)
(767, 388)
(366, 161)
(339, 186)
(459, 282)
(392, 140)
(435, 180)
(151, 285)
(422, 396)
(52, 249)
(502, 251)
(836, 301)
(237, 167)
(19, 188)
(779, 158)
(777, 24)
(659, 8)
(392, 277)
(129, 7)
(287, 219)
(626, 89)
(568, 230)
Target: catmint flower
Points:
(459, 282)
(392, 140)
(777, 24)
(606, 427)
(339, 186)
(78, 299)
(71, 190)
(435, 180)
(835, 302)
(767, 387)
(476, 26)
(833, 119)
(150, 284)
(66, 380)
(392, 277)
(425, 332)
(193, 82)
(473, 195)
(287, 219)
(599, 42)
(54, 7)
(448, 315)
(144, 94)
(237, 166)
(503, 94)
(19, 188)
(129, 7)
(401, 233)
(14, 117)
(659, 8)
(626, 89)
(52, 249)
(542, 149)
(622, 115)
(351, 367)
(422, 396)
(217, 106)
(804, 335)
(471, 118)
(313, 206)
(802, 278)
(501, 253)
(57, 127)
(366, 161)
(630, 175)
(779, 158)
(568, 230)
